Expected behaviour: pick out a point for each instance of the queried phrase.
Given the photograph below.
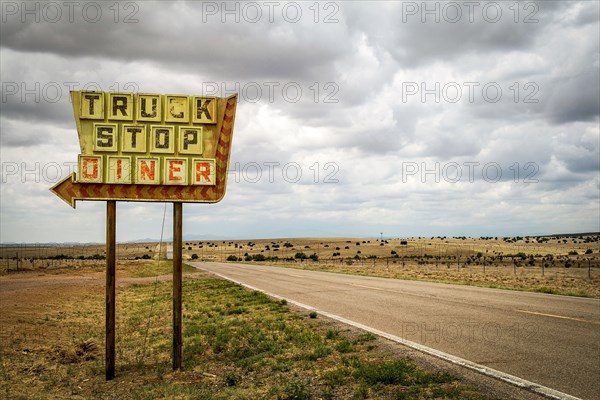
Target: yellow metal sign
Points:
(150, 147)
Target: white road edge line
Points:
(513, 380)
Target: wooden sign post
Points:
(149, 147)
(111, 268)
(177, 283)
(111, 290)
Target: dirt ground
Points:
(28, 298)
(45, 330)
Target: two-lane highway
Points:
(550, 340)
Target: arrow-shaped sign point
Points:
(65, 189)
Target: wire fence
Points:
(515, 260)
(581, 267)
(52, 256)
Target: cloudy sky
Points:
(355, 118)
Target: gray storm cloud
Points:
(359, 97)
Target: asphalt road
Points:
(550, 340)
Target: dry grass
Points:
(570, 282)
(238, 344)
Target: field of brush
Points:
(555, 264)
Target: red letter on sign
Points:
(177, 171)
(119, 169)
(148, 172)
(90, 168)
(174, 170)
(204, 172)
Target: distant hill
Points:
(198, 237)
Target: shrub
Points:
(319, 351)
(401, 372)
(589, 251)
(232, 258)
(344, 347)
(258, 257)
(314, 257)
(231, 378)
(300, 256)
(331, 334)
(297, 389)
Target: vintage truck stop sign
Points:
(150, 147)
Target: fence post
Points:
(543, 267)
(484, 265)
